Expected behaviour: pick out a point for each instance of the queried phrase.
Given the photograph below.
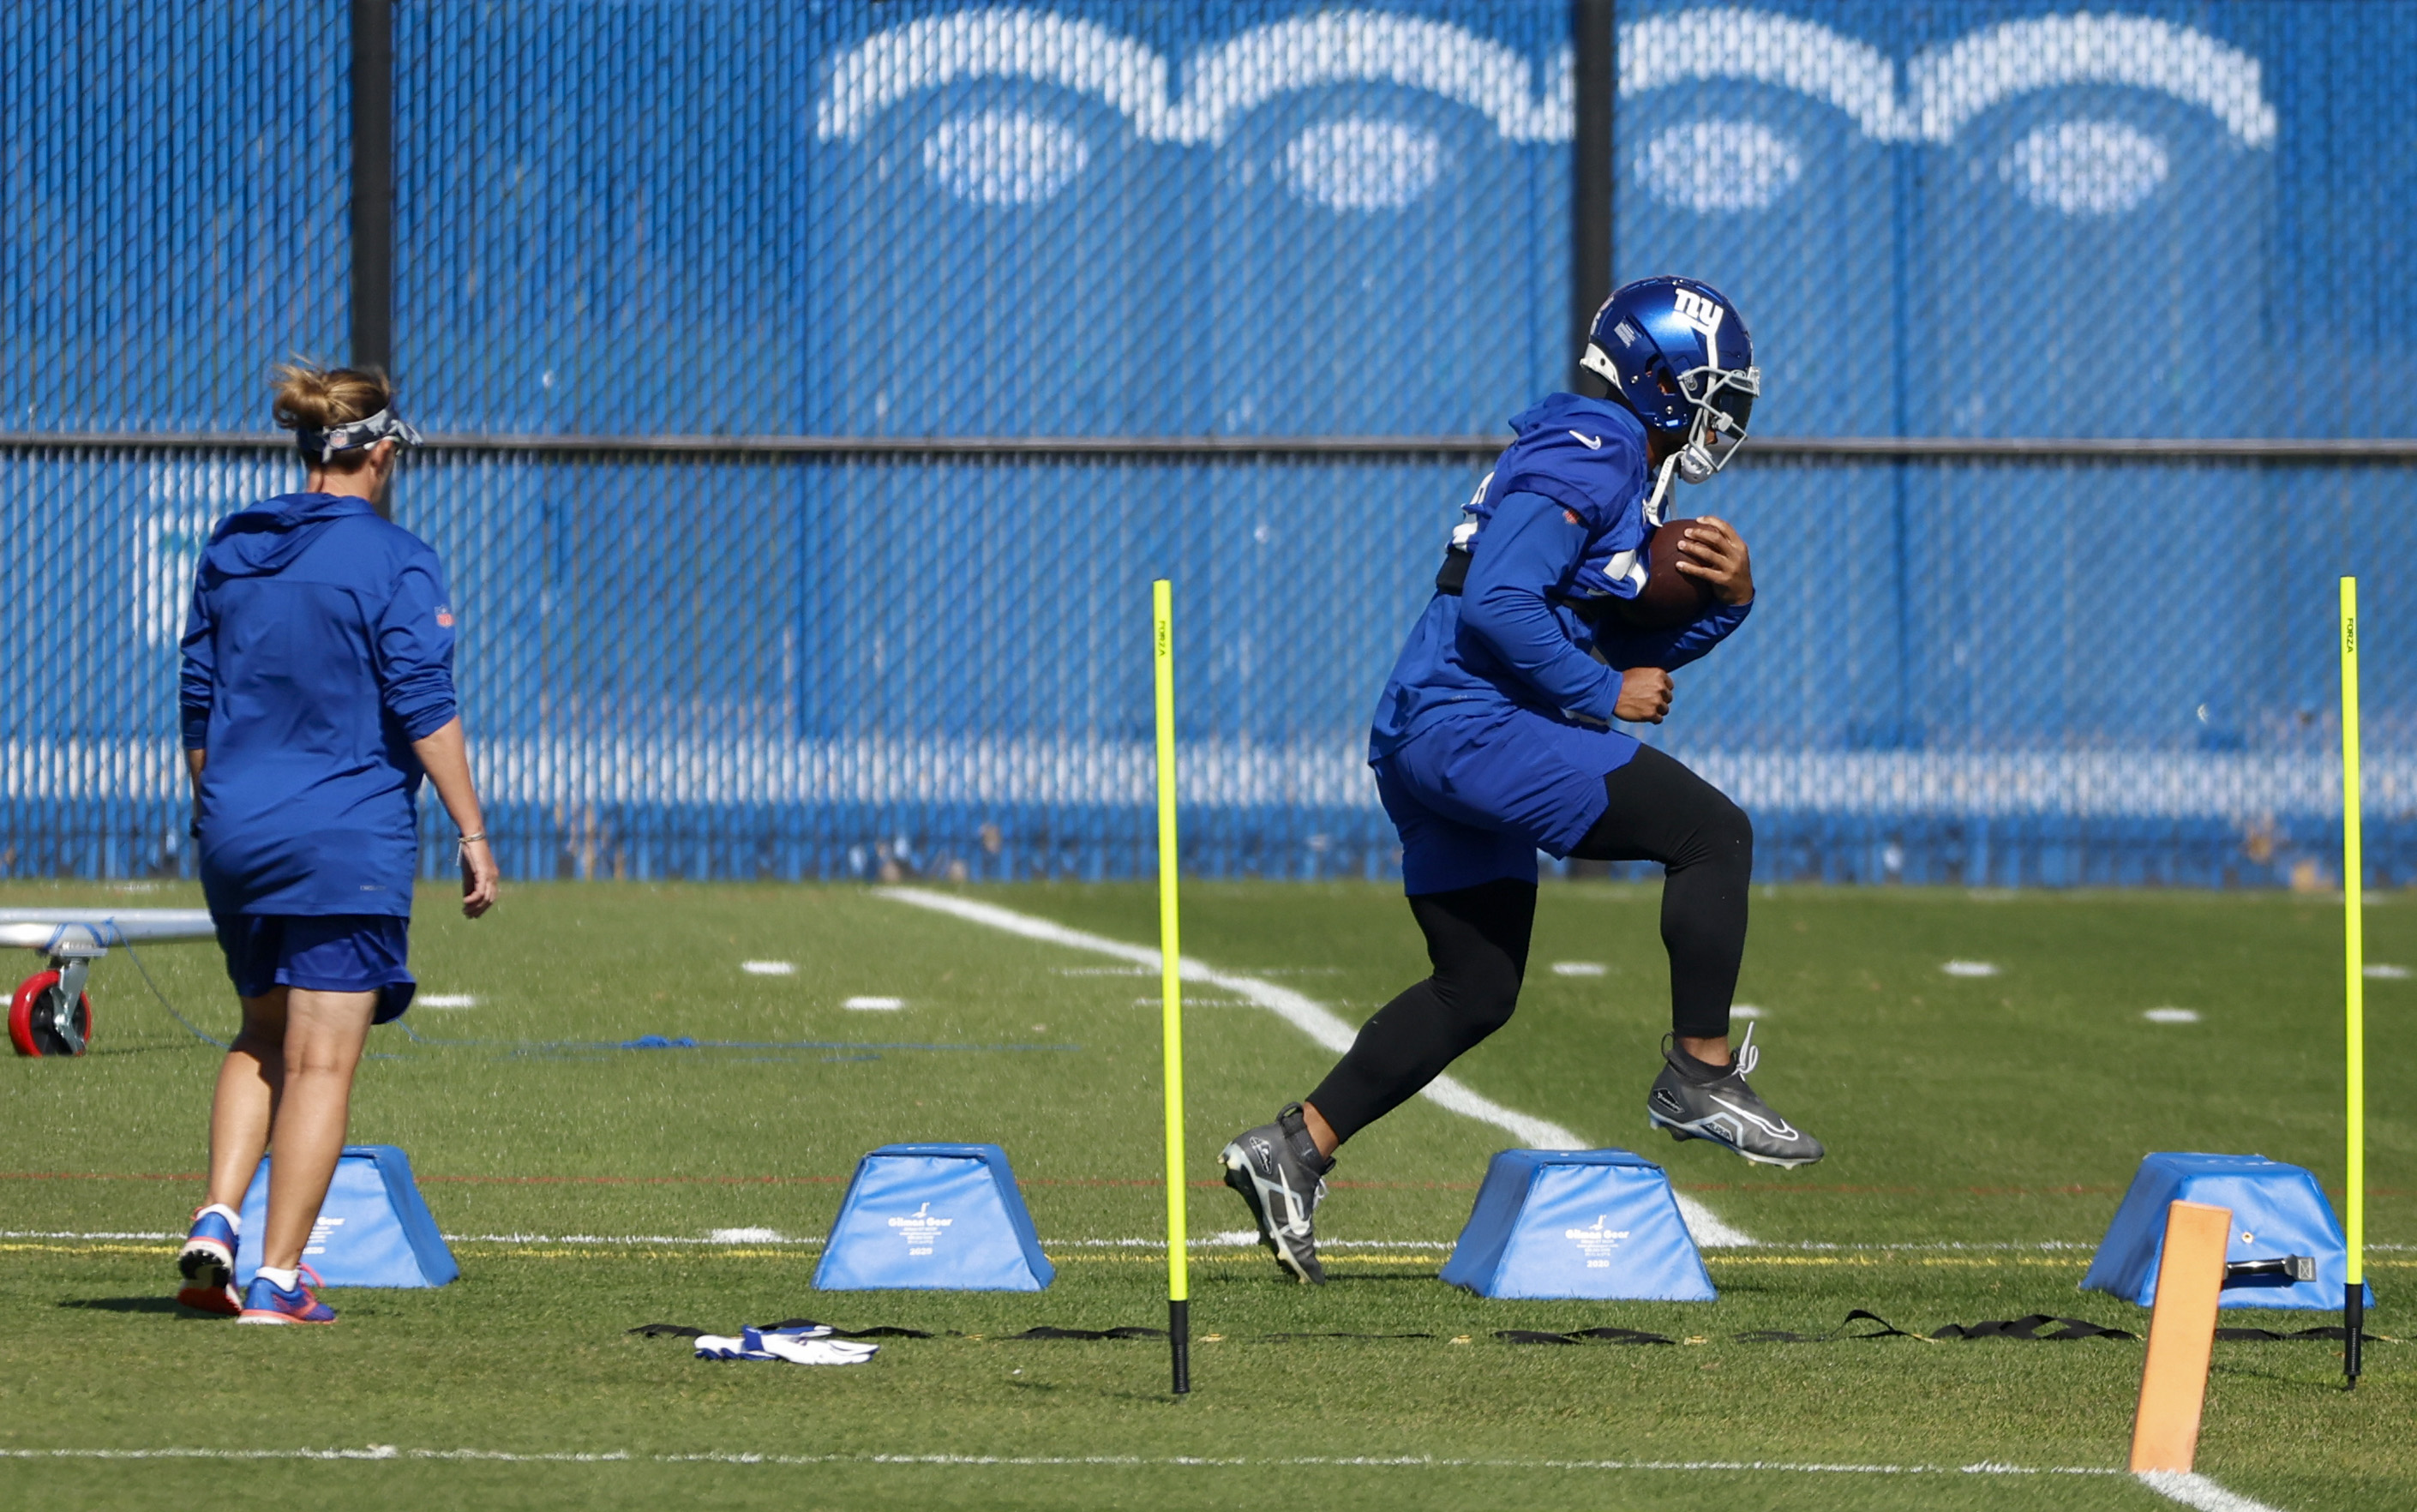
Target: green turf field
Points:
(2003, 1114)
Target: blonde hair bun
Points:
(312, 398)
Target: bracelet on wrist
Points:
(466, 840)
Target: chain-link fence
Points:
(796, 641)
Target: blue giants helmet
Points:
(1678, 353)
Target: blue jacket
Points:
(319, 647)
(1561, 517)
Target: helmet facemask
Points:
(1724, 403)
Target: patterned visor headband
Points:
(367, 431)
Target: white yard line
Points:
(2196, 1490)
(2185, 1489)
(1312, 1018)
(2191, 1490)
(388, 1451)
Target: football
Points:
(1670, 598)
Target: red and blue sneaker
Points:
(208, 1256)
(218, 1301)
(207, 1262)
(267, 1303)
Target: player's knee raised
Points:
(1731, 833)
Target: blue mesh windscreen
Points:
(741, 218)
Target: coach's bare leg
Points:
(324, 1035)
(251, 1081)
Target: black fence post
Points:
(372, 217)
(1594, 34)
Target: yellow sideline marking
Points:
(601, 1252)
(1241, 1259)
(1238, 1254)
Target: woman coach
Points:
(317, 690)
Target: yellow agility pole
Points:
(2354, 991)
(1170, 948)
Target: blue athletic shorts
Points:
(323, 953)
(1476, 797)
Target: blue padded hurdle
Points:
(2277, 1210)
(1586, 1224)
(373, 1231)
(933, 1218)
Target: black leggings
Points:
(1477, 937)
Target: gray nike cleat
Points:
(1278, 1170)
(1725, 1111)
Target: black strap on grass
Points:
(877, 1331)
(1781, 1335)
(2039, 1327)
(2331, 1331)
(2029, 1328)
(1044, 1330)
(1582, 1335)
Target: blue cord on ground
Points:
(191, 1028)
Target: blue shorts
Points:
(1476, 797)
(321, 953)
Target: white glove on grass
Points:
(794, 1346)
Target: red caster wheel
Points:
(40, 1022)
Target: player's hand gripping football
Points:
(1644, 695)
(1711, 551)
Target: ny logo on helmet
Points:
(1699, 311)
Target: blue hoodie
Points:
(1561, 518)
(318, 648)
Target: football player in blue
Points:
(1495, 739)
